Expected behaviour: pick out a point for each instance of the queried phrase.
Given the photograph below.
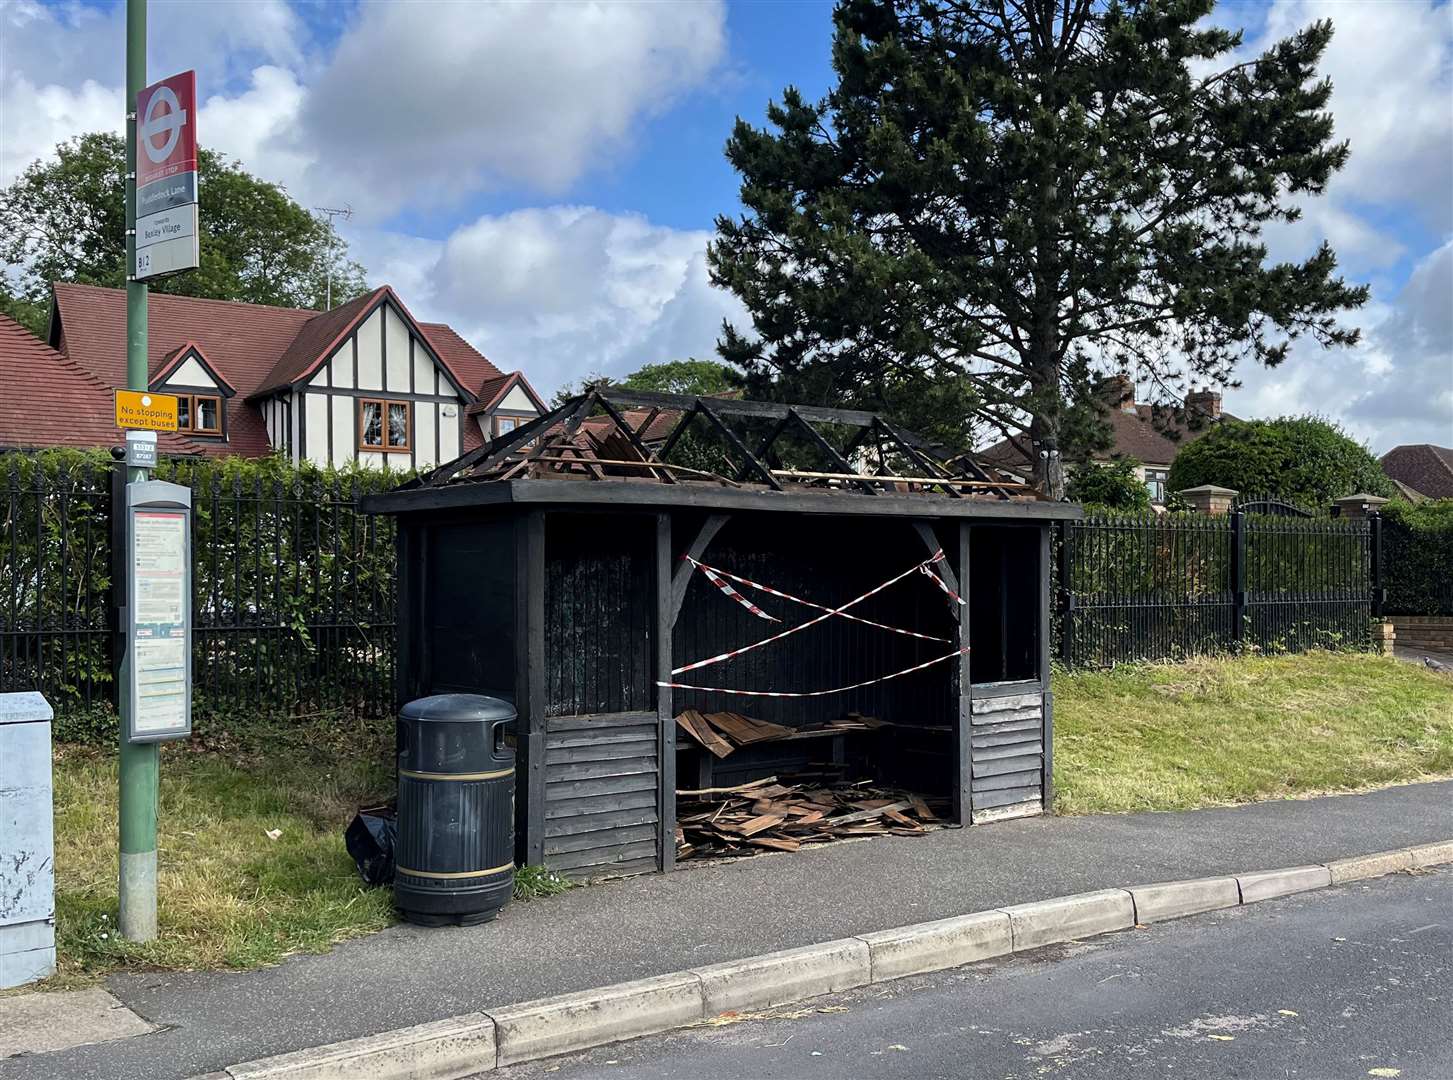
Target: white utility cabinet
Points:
(27, 841)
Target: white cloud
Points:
(1395, 387)
(425, 104)
(1392, 81)
(563, 290)
(62, 67)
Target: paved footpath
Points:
(1338, 983)
(661, 923)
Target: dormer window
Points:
(199, 414)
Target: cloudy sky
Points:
(545, 177)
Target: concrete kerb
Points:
(478, 1042)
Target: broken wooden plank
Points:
(695, 725)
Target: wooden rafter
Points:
(737, 445)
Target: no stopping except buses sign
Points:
(141, 410)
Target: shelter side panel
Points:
(1007, 751)
(601, 775)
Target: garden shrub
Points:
(1417, 557)
(1302, 459)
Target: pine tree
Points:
(1002, 201)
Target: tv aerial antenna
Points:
(331, 212)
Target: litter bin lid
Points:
(459, 708)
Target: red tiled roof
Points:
(470, 365)
(242, 340)
(1425, 468)
(46, 399)
(253, 347)
(314, 341)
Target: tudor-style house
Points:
(364, 382)
(1135, 433)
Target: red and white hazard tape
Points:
(714, 575)
(816, 693)
(810, 622)
(941, 583)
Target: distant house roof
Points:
(49, 400)
(1136, 433)
(1423, 467)
(253, 348)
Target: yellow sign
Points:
(139, 410)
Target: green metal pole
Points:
(140, 773)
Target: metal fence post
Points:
(1238, 574)
(1379, 589)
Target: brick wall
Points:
(1424, 631)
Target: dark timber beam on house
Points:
(681, 577)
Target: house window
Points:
(1155, 480)
(503, 424)
(200, 414)
(384, 426)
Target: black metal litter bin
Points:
(456, 813)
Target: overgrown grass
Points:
(230, 895)
(1155, 737)
(1213, 732)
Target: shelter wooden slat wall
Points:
(601, 801)
(1007, 756)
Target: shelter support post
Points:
(530, 688)
(665, 714)
(1046, 626)
(963, 807)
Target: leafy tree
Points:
(1112, 485)
(1019, 197)
(689, 376)
(575, 387)
(1302, 459)
(64, 220)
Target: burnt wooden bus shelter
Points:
(630, 555)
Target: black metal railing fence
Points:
(293, 588)
(1162, 587)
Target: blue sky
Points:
(545, 176)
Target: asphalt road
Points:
(1347, 982)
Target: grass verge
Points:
(1214, 732)
(230, 893)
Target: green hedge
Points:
(293, 590)
(1417, 557)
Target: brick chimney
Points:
(1119, 391)
(1203, 402)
